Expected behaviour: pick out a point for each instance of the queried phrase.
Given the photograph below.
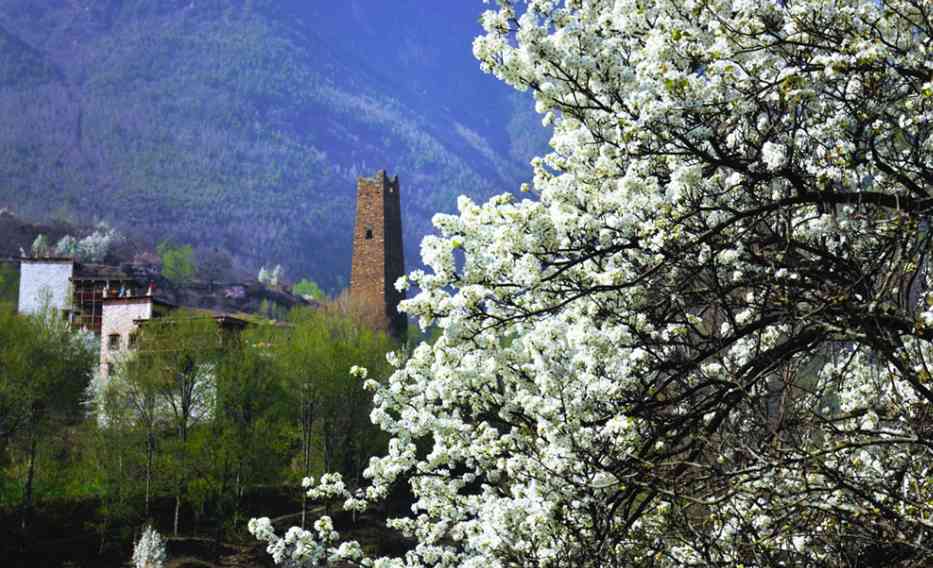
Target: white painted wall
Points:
(44, 280)
(119, 318)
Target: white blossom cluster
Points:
(92, 248)
(706, 339)
(40, 246)
(149, 551)
(271, 277)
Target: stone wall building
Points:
(121, 319)
(378, 260)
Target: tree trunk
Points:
(218, 538)
(328, 442)
(179, 484)
(150, 443)
(183, 434)
(237, 496)
(306, 424)
(221, 508)
(30, 475)
(177, 510)
(327, 436)
(306, 442)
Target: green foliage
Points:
(195, 412)
(9, 284)
(178, 264)
(330, 407)
(112, 464)
(175, 370)
(44, 369)
(308, 287)
(245, 443)
(273, 310)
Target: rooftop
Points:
(45, 259)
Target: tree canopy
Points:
(44, 369)
(178, 264)
(705, 339)
(308, 287)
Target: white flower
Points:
(149, 551)
(774, 155)
(656, 326)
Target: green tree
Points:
(178, 264)
(194, 412)
(176, 362)
(308, 287)
(272, 310)
(9, 284)
(12, 385)
(113, 465)
(128, 408)
(329, 406)
(244, 442)
(44, 370)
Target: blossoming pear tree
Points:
(706, 337)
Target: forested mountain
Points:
(243, 123)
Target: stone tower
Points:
(377, 253)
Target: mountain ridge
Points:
(236, 123)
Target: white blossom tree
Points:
(92, 248)
(706, 338)
(272, 278)
(67, 246)
(40, 247)
(149, 551)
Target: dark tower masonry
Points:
(377, 253)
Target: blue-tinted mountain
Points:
(243, 123)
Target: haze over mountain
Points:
(243, 123)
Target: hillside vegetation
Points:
(237, 123)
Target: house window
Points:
(113, 341)
(133, 339)
(369, 232)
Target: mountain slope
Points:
(238, 123)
